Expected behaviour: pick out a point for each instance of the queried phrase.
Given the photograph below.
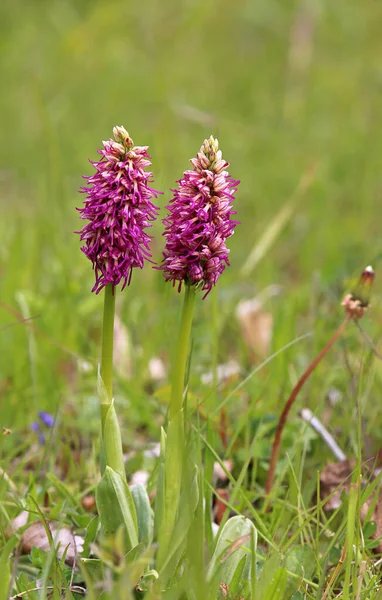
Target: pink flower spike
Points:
(118, 207)
(199, 221)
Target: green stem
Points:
(107, 340)
(181, 352)
(215, 343)
(175, 441)
(112, 454)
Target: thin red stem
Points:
(292, 398)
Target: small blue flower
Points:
(46, 418)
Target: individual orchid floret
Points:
(119, 209)
(200, 221)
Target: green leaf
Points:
(146, 580)
(5, 570)
(116, 507)
(112, 444)
(134, 555)
(144, 514)
(369, 529)
(62, 489)
(188, 502)
(94, 568)
(276, 589)
(230, 551)
(90, 535)
(24, 584)
(208, 474)
(234, 586)
(301, 561)
(270, 566)
(173, 463)
(37, 557)
(159, 497)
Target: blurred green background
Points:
(289, 88)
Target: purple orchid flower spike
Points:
(119, 208)
(199, 221)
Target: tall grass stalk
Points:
(289, 403)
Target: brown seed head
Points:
(357, 302)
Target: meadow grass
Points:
(292, 91)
